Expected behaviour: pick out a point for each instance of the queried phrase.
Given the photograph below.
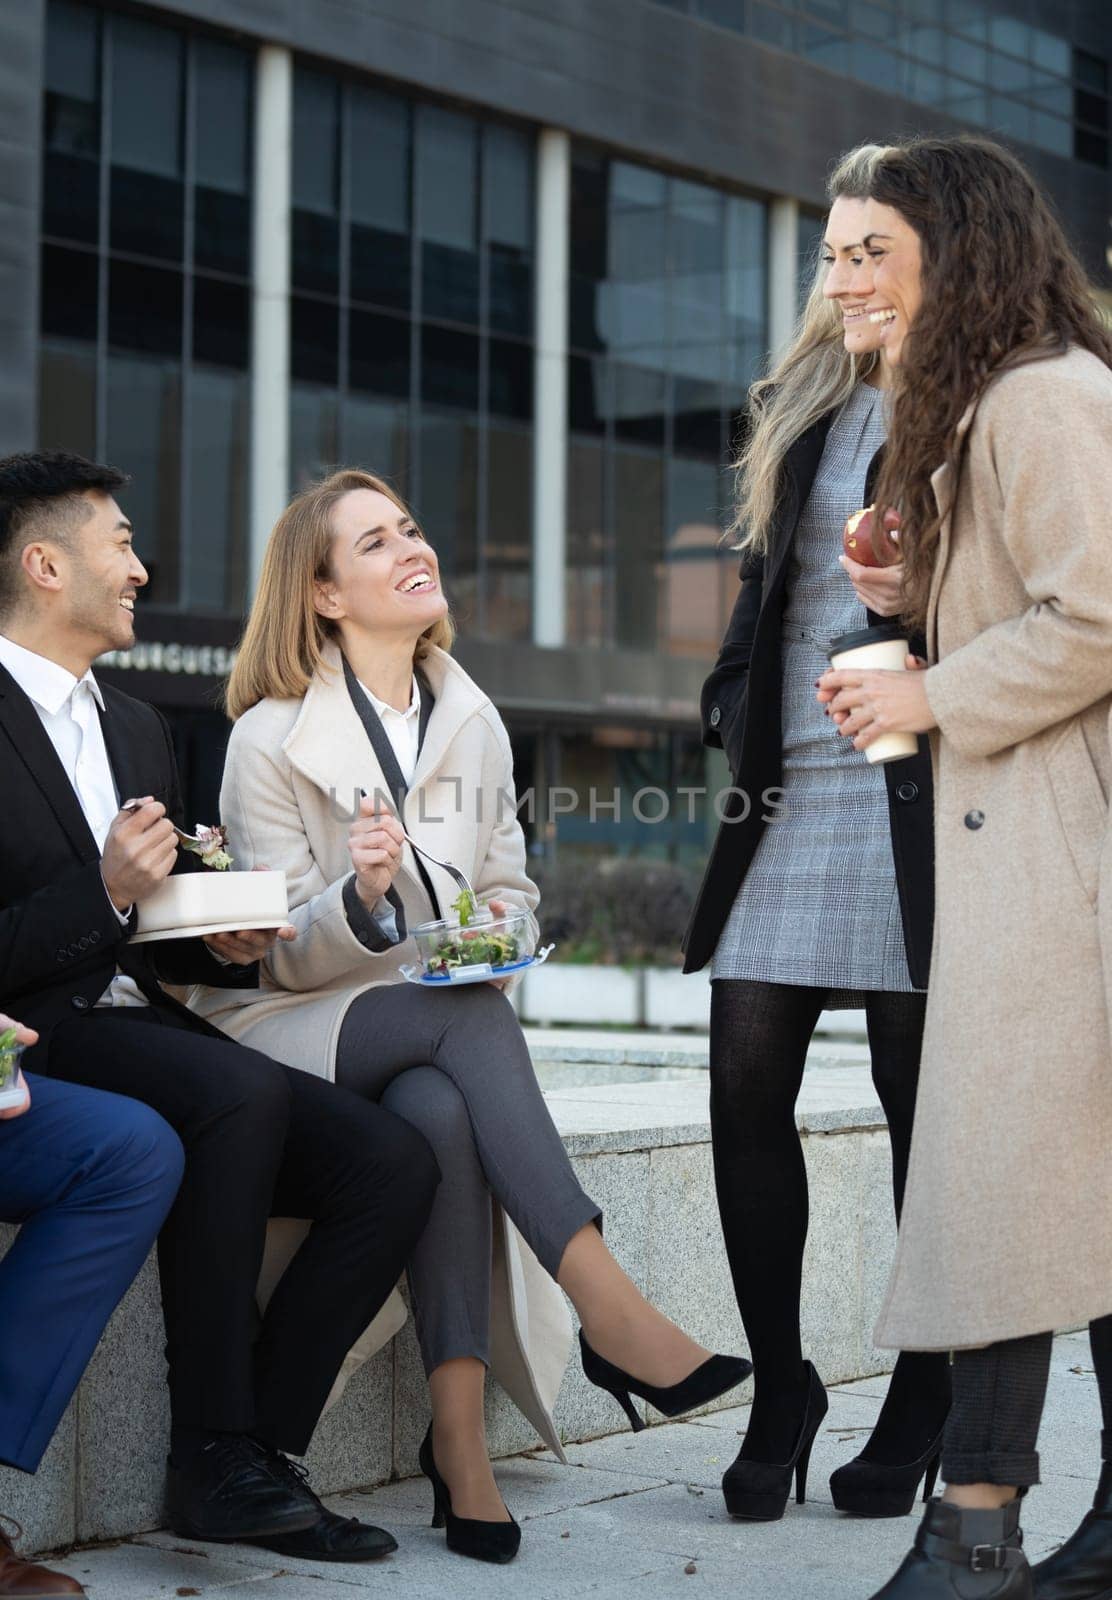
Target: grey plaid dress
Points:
(819, 904)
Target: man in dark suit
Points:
(89, 1178)
(260, 1139)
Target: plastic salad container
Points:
(487, 944)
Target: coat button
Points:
(715, 716)
(79, 1002)
(83, 942)
(60, 955)
(974, 820)
(94, 937)
(907, 792)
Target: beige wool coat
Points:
(291, 789)
(1007, 1220)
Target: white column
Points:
(550, 388)
(270, 311)
(783, 271)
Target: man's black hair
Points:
(44, 487)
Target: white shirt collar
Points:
(43, 681)
(387, 710)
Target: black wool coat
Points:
(741, 714)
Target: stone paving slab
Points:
(632, 1517)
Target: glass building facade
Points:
(667, 329)
(972, 59)
(144, 288)
(412, 324)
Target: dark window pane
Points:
(693, 566)
(634, 312)
(447, 505)
(376, 437)
(378, 354)
(697, 416)
(147, 193)
(640, 404)
(507, 596)
(697, 260)
(314, 445)
(144, 439)
(1091, 108)
(588, 404)
(586, 591)
(221, 322)
(147, 214)
(68, 293)
(72, 80)
(1091, 71)
(380, 266)
(447, 168)
(70, 197)
(585, 331)
(1091, 147)
(511, 379)
(379, 183)
(222, 231)
(511, 290)
(315, 248)
(449, 368)
(638, 542)
(316, 141)
(147, 73)
(144, 308)
(222, 211)
(314, 340)
(223, 102)
(67, 398)
(508, 187)
(214, 553)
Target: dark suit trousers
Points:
(260, 1140)
(89, 1178)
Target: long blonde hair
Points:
(284, 640)
(813, 377)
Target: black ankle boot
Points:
(964, 1555)
(1082, 1568)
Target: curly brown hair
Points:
(1000, 285)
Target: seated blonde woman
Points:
(344, 684)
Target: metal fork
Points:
(453, 872)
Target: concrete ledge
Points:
(642, 1149)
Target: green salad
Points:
(9, 1055)
(471, 946)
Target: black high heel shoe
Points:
(483, 1541)
(869, 1489)
(714, 1377)
(757, 1491)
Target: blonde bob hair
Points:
(814, 376)
(284, 640)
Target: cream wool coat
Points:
(291, 789)
(1007, 1221)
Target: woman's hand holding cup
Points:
(867, 705)
(375, 846)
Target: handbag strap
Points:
(388, 761)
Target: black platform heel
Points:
(757, 1491)
(482, 1541)
(716, 1376)
(869, 1489)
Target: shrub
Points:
(624, 911)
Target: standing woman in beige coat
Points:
(344, 683)
(1000, 460)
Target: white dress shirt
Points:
(403, 728)
(68, 710)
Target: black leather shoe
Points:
(229, 1492)
(331, 1538)
(1082, 1568)
(757, 1491)
(964, 1555)
(714, 1377)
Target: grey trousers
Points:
(993, 1430)
(456, 1066)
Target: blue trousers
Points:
(89, 1178)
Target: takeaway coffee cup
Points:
(883, 648)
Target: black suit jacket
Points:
(60, 938)
(741, 712)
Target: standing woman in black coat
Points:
(821, 899)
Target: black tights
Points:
(759, 1034)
